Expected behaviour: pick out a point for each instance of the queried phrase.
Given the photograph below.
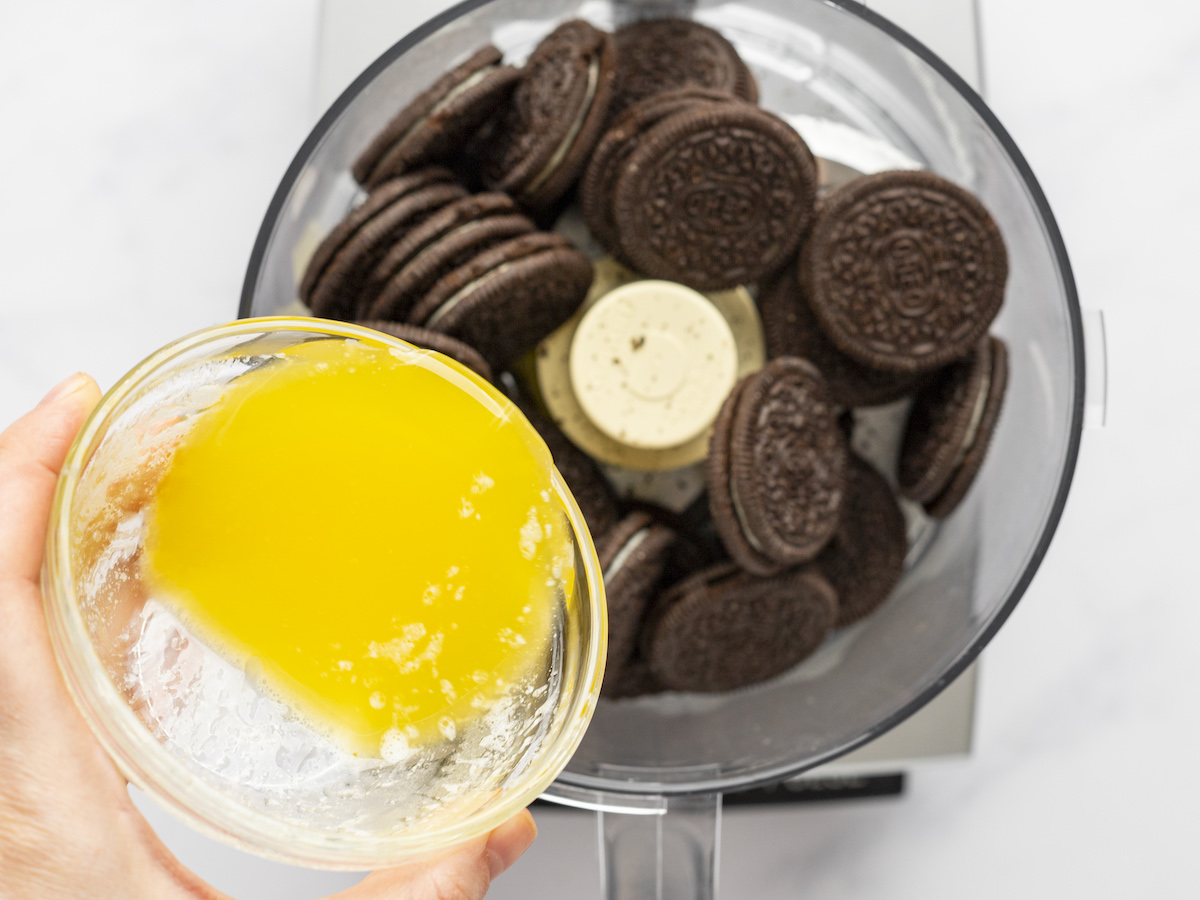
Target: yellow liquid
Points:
(373, 530)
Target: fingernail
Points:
(509, 841)
(63, 388)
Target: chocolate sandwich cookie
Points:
(696, 543)
(700, 545)
(791, 329)
(656, 55)
(608, 159)
(634, 679)
(372, 205)
(715, 196)
(406, 273)
(587, 483)
(508, 297)
(433, 340)
(865, 558)
(776, 468)
(462, 213)
(342, 262)
(904, 270)
(724, 629)
(632, 556)
(540, 141)
(433, 125)
(950, 427)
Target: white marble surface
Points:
(142, 142)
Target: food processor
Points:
(655, 768)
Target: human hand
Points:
(68, 828)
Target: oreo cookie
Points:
(865, 558)
(657, 55)
(443, 242)
(776, 468)
(433, 340)
(587, 483)
(632, 556)
(724, 629)
(715, 196)
(598, 186)
(950, 427)
(432, 127)
(634, 679)
(506, 299)
(791, 329)
(343, 260)
(540, 141)
(904, 270)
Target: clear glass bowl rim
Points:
(150, 766)
(575, 782)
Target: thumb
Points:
(32, 450)
(461, 873)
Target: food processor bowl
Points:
(656, 766)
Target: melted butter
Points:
(372, 533)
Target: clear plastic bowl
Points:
(191, 728)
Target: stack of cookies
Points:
(879, 290)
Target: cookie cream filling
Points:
(741, 517)
(974, 422)
(458, 296)
(573, 132)
(624, 553)
(458, 90)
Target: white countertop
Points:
(142, 143)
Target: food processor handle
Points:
(672, 855)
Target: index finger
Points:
(32, 451)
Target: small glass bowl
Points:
(255, 778)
